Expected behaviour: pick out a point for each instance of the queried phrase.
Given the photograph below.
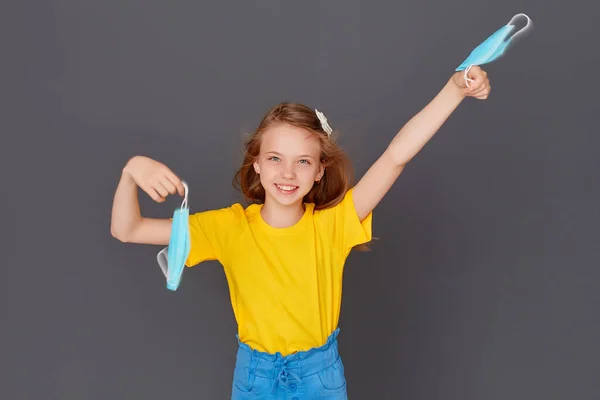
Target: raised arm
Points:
(127, 223)
(413, 136)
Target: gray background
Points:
(484, 284)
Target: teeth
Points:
(286, 187)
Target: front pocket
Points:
(243, 380)
(332, 377)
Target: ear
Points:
(320, 173)
(256, 167)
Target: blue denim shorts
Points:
(317, 373)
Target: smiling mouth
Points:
(286, 188)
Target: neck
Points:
(281, 216)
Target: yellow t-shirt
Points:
(285, 284)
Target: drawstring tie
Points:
(283, 376)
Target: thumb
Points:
(476, 76)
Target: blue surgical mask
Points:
(493, 47)
(172, 259)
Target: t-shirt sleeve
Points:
(346, 228)
(210, 233)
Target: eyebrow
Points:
(279, 154)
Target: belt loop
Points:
(253, 363)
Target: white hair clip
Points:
(324, 123)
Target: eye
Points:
(274, 158)
(304, 162)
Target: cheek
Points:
(266, 171)
(308, 174)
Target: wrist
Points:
(126, 172)
(454, 87)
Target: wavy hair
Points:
(338, 175)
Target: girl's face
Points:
(289, 163)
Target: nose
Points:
(288, 172)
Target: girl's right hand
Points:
(154, 178)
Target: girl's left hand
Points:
(479, 84)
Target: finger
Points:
(474, 73)
(478, 84)
(158, 186)
(483, 95)
(479, 78)
(167, 184)
(483, 89)
(153, 194)
(482, 85)
(174, 179)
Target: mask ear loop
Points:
(467, 79)
(186, 191)
(163, 261)
(520, 31)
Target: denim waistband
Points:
(300, 364)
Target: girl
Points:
(284, 254)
